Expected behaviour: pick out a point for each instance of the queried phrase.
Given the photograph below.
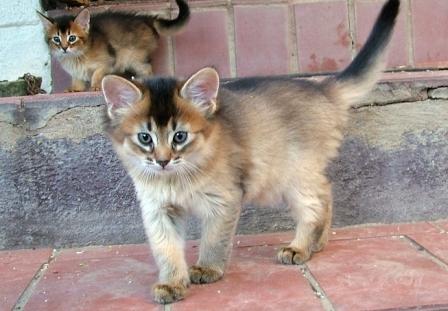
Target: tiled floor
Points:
(383, 267)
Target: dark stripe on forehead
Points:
(162, 107)
(64, 22)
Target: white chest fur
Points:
(76, 68)
(197, 199)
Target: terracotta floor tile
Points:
(368, 231)
(263, 239)
(253, 281)
(17, 268)
(378, 273)
(98, 278)
(322, 32)
(443, 224)
(436, 243)
(354, 232)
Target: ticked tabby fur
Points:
(89, 47)
(197, 147)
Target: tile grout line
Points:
(293, 52)
(434, 224)
(351, 18)
(317, 289)
(410, 35)
(231, 37)
(434, 258)
(29, 290)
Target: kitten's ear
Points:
(46, 22)
(119, 93)
(83, 19)
(202, 89)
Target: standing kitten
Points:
(89, 47)
(194, 147)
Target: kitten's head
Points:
(67, 35)
(162, 127)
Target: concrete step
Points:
(62, 184)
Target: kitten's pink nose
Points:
(65, 49)
(163, 163)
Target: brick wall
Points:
(276, 37)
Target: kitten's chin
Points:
(64, 55)
(169, 170)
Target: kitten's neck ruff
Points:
(76, 66)
(78, 56)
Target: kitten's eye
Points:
(71, 38)
(180, 137)
(145, 139)
(56, 40)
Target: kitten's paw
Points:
(202, 275)
(168, 293)
(292, 256)
(73, 90)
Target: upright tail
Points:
(361, 75)
(169, 27)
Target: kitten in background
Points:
(91, 46)
(196, 147)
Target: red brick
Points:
(378, 273)
(17, 268)
(14, 100)
(366, 13)
(441, 224)
(261, 39)
(61, 79)
(431, 77)
(436, 243)
(98, 278)
(203, 43)
(161, 59)
(430, 30)
(63, 97)
(253, 281)
(155, 7)
(369, 231)
(322, 36)
(206, 3)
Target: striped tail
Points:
(361, 75)
(169, 27)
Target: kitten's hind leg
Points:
(218, 229)
(311, 204)
(97, 76)
(77, 86)
(143, 70)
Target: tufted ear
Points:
(83, 19)
(119, 93)
(46, 22)
(202, 89)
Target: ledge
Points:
(63, 184)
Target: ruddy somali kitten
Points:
(89, 47)
(195, 147)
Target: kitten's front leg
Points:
(97, 76)
(218, 228)
(164, 227)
